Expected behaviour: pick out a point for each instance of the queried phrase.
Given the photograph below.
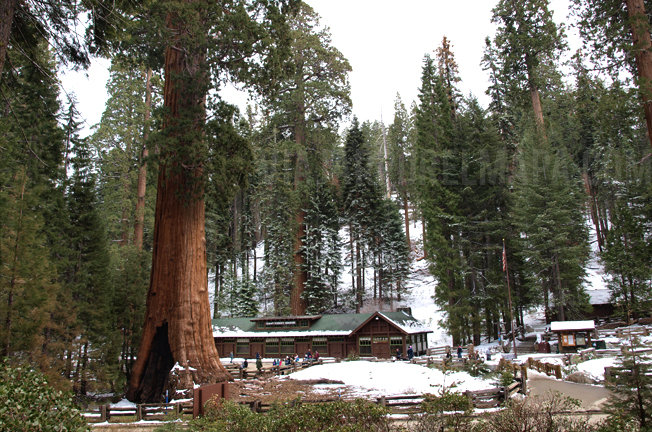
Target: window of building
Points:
(271, 346)
(287, 346)
(304, 323)
(302, 339)
(336, 339)
(260, 324)
(242, 347)
(319, 342)
(396, 341)
(364, 343)
(228, 340)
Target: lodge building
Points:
(376, 334)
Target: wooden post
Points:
(558, 371)
(103, 417)
(139, 412)
(382, 401)
(524, 379)
(177, 410)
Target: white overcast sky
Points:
(384, 41)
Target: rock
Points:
(581, 378)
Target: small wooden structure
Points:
(573, 335)
(601, 304)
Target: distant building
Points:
(377, 334)
(600, 300)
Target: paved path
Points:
(592, 396)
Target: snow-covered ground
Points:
(383, 378)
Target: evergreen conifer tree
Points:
(88, 275)
(361, 198)
(548, 214)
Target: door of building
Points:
(226, 351)
(380, 347)
(336, 349)
(302, 348)
(256, 347)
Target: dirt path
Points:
(592, 396)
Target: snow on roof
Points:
(406, 322)
(326, 325)
(599, 296)
(233, 331)
(572, 325)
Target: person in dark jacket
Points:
(410, 353)
(316, 357)
(459, 351)
(398, 353)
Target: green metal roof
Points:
(340, 324)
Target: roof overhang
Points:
(288, 318)
(394, 324)
(559, 326)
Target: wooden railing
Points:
(267, 372)
(104, 413)
(547, 368)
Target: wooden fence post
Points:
(382, 401)
(524, 379)
(103, 413)
(558, 371)
(469, 396)
(139, 412)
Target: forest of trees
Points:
(110, 244)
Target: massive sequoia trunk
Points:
(640, 28)
(177, 325)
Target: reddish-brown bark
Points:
(7, 11)
(142, 172)
(642, 41)
(406, 210)
(177, 325)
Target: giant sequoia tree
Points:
(618, 32)
(527, 38)
(201, 44)
(312, 100)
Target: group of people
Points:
(472, 353)
(410, 353)
(287, 361)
